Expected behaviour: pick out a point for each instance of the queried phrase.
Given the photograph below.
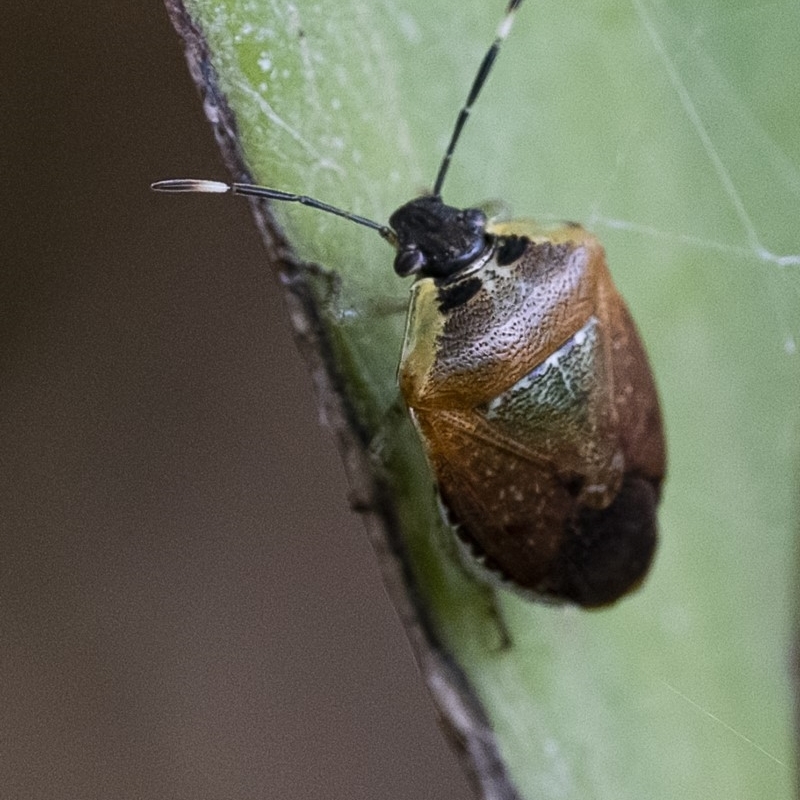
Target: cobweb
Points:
(742, 137)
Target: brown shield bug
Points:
(528, 384)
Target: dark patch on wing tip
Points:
(510, 248)
(607, 553)
(457, 294)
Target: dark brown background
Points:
(187, 607)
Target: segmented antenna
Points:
(249, 189)
(503, 29)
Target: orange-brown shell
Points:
(534, 399)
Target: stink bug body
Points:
(529, 386)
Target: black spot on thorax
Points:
(457, 294)
(510, 248)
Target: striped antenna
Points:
(251, 190)
(503, 29)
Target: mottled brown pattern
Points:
(558, 496)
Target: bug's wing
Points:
(639, 425)
(524, 521)
(505, 501)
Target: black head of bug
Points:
(435, 240)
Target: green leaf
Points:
(670, 130)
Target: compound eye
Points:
(409, 261)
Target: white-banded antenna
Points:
(178, 185)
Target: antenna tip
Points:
(190, 185)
